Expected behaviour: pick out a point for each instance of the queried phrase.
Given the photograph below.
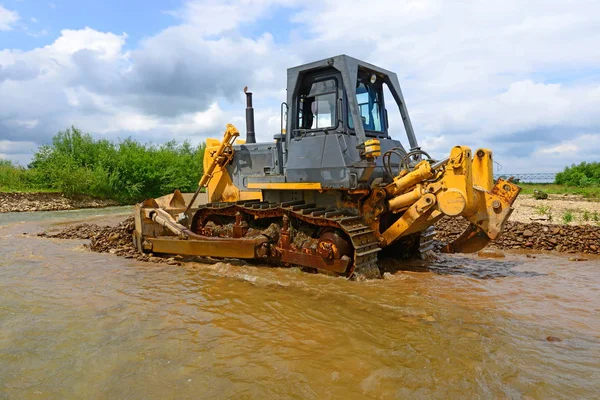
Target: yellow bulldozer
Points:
(333, 189)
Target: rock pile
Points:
(532, 236)
(110, 239)
(18, 202)
(82, 231)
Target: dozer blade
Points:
(471, 240)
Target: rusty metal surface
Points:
(314, 261)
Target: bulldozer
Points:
(334, 190)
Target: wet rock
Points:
(490, 253)
(527, 233)
(553, 339)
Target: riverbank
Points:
(48, 201)
(532, 236)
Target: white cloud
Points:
(8, 19)
(563, 149)
(216, 16)
(515, 77)
(108, 45)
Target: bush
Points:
(582, 175)
(539, 194)
(76, 163)
(14, 177)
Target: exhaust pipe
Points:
(250, 135)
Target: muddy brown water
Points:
(76, 324)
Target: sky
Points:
(520, 78)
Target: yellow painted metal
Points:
(452, 202)
(214, 247)
(421, 172)
(372, 148)
(222, 154)
(285, 185)
(464, 188)
(483, 171)
(405, 200)
(458, 175)
(413, 220)
(220, 187)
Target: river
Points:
(77, 324)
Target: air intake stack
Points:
(250, 135)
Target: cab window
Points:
(368, 97)
(317, 106)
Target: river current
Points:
(78, 324)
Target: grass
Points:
(7, 189)
(567, 217)
(589, 192)
(586, 216)
(543, 210)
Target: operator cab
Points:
(330, 95)
(335, 109)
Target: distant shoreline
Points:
(48, 201)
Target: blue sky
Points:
(520, 78)
(42, 21)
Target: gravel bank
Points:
(20, 202)
(532, 236)
(552, 210)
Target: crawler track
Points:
(362, 238)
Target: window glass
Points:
(317, 108)
(368, 98)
